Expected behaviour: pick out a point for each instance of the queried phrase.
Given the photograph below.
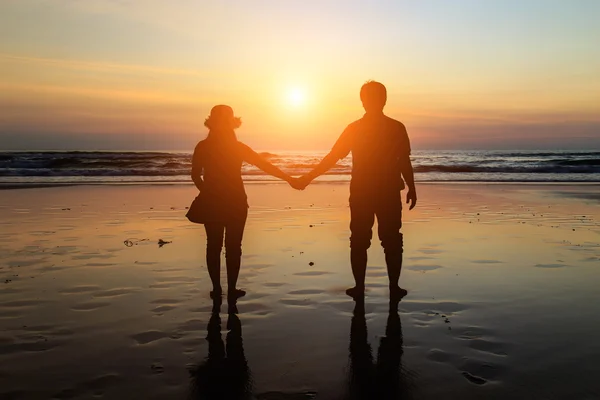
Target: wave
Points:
(170, 164)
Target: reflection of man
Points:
(380, 160)
(385, 379)
(225, 373)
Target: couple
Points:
(380, 167)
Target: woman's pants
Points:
(233, 232)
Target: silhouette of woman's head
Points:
(373, 96)
(221, 118)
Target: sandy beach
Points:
(503, 296)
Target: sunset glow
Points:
(119, 74)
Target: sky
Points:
(139, 75)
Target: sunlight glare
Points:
(296, 97)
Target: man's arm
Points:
(197, 169)
(409, 178)
(340, 149)
(252, 157)
(407, 170)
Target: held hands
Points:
(300, 183)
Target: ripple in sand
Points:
(89, 306)
(176, 279)
(486, 261)
(441, 307)
(591, 259)
(10, 314)
(257, 267)
(42, 344)
(51, 268)
(442, 356)
(287, 396)
(162, 309)
(165, 301)
(274, 284)
(297, 302)
(255, 308)
(100, 264)
(21, 303)
(312, 273)
(423, 317)
(207, 308)
(13, 290)
(306, 291)
(375, 285)
(149, 337)
(486, 346)
(376, 274)
(420, 258)
(430, 251)
(550, 265)
(164, 269)
(167, 285)
(145, 262)
(79, 289)
(114, 292)
(193, 325)
(424, 267)
(96, 387)
(89, 256)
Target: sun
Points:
(296, 97)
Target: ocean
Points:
(72, 167)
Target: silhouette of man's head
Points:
(221, 118)
(373, 96)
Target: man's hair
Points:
(373, 94)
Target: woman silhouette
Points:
(216, 172)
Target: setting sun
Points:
(296, 97)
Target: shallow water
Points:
(502, 297)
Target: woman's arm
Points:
(252, 157)
(340, 149)
(197, 167)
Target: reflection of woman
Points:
(225, 373)
(216, 171)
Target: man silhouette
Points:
(380, 160)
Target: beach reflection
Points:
(225, 373)
(385, 378)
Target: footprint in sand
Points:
(480, 372)
(148, 337)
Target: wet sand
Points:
(502, 280)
